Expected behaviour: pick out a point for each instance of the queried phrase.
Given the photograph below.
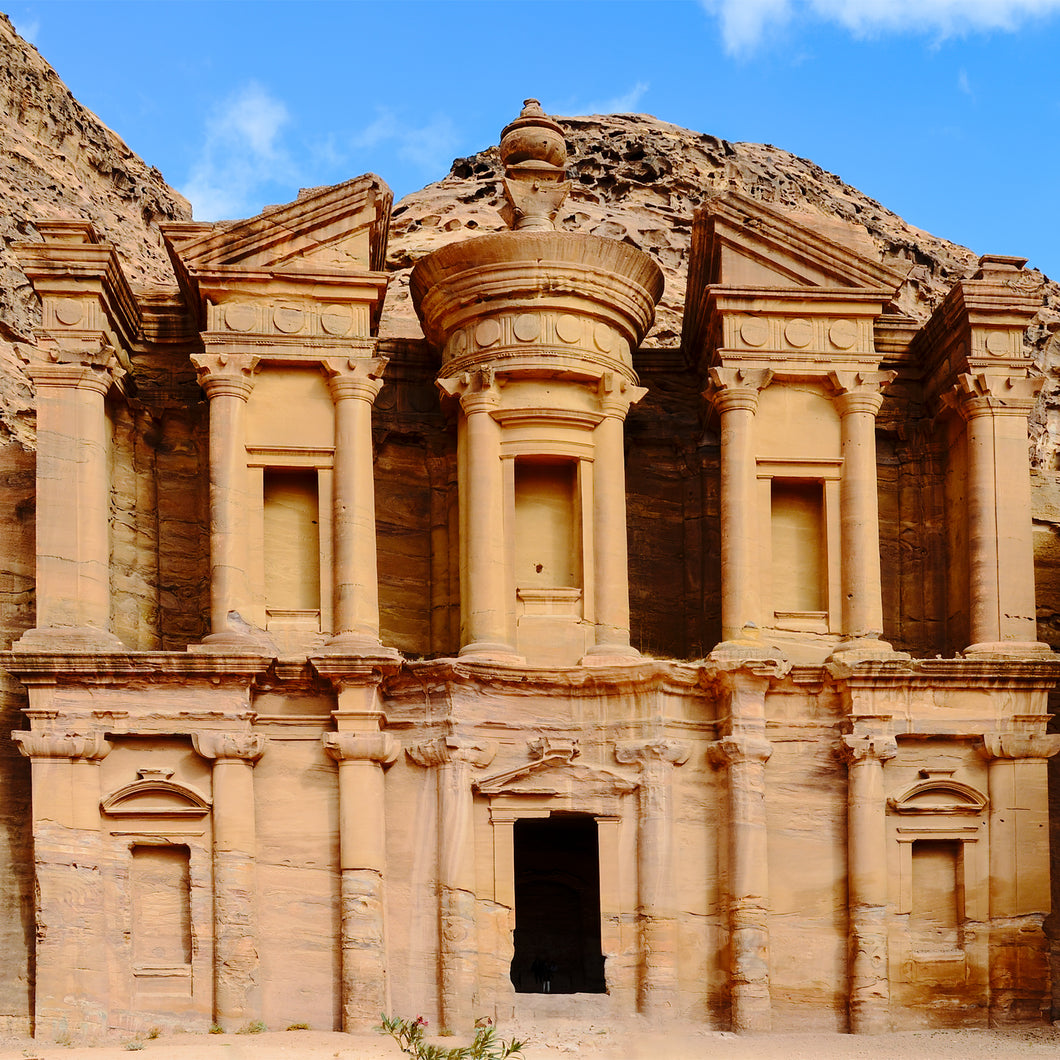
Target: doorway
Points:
(557, 906)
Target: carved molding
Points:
(739, 750)
(857, 748)
(446, 749)
(1019, 745)
(646, 753)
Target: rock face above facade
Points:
(57, 159)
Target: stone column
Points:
(743, 682)
(858, 397)
(485, 627)
(73, 502)
(237, 990)
(1001, 554)
(458, 937)
(1019, 875)
(355, 383)
(228, 380)
(869, 1003)
(361, 759)
(655, 870)
(610, 548)
(734, 394)
(71, 986)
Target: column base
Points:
(1033, 648)
(854, 650)
(731, 653)
(610, 655)
(67, 638)
(358, 644)
(491, 651)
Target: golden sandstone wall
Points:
(661, 754)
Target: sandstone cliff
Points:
(57, 159)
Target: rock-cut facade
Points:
(520, 667)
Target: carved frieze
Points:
(288, 319)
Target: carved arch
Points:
(154, 794)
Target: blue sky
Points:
(946, 111)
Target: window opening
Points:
(292, 541)
(547, 525)
(938, 899)
(799, 551)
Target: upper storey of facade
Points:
(493, 522)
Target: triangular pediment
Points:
(555, 775)
(738, 242)
(339, 228)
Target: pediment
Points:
(155, 795)
(936, 795)
(341, 228)
(738, 242)
(555, 775)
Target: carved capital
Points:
(359, 378)
(378, 747)
(739, 750)
(478, 391)
(218, 746)
(862, 748)
(225, 374)
(733, 389)
(447, 749)
(94, 377)
(859, 391)
(1019, 745)
(617, 394)
(653, 752)
(89, 748)
(991, 394)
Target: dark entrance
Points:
(557, 906)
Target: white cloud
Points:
(744, 23)
(624, 104)
(431, 147)
(28, 28)
(964, 84)
(241, 152)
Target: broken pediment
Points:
(738, 242)
(555, 774)
(154, 794)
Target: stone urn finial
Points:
(534, 156)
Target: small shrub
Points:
(216, 1028)
(153, 1033)
(253, 1027)
(134, 1045)
(486, 1045)
(299, 1027)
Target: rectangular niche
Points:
(799, 550)
(547, 525)
(937, 896)
(291, 505)
(160, 891)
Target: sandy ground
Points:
(559, 1041)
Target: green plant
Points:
(485, 1046)
(253, 1027)
(298, 1027)
(216, 1028)
(134, 1044)
(153, 1033)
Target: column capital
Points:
(218, 746)
(653, 752)
(478, 390)
(738, 750)
(378, 747)
(860, 748)
(446, 749)
(97, 377)
(226, 374)
(616, 394)
(1012, 745)
(737, 388)
(91, 747)
(360, 378)
(859, 391)
(993, 394)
